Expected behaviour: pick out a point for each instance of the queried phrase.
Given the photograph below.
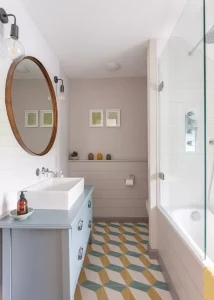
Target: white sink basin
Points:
(55, 193)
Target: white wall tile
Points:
(17, 168)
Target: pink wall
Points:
(128, 94)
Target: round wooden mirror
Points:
(31, 105)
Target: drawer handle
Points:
(80, 253)
(80, 225)
(89, 203)
(89, 224)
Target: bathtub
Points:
(181, 246)
(190, 223)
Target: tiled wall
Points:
(17, 168)
(183, 91)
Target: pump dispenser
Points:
(22, 205)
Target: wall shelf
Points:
(113, 160)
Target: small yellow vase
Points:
(99, 156)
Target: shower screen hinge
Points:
(161, 86)
(161, 176)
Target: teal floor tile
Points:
(155, 267)
(135, 254)
(100, 233)
(114, 233)
(140, 286)
(115, 286)
(96, 253)
(136, 268)
(115, 268)
(115, 254)
(93, 267)
(100, 225)
(91, 285)
(96, 242)
(161, 285)
(114, 243)
(114, 225)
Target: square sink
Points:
(55, 193)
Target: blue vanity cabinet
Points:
(42, 256)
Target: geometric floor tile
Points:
(117, 266)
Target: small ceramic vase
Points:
(91, 156)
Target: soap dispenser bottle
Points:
(22, 205)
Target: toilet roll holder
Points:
(131, 177)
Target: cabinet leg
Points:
(90, 239)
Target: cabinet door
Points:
(77, 248)
(89, 220)
(80, 234)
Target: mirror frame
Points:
(10, 114)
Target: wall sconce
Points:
(62, 88)
(12, 46)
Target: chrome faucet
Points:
(45, 172)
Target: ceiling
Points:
(87, 34)
(27, 69)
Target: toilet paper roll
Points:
(129, 182)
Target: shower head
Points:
(209, 39)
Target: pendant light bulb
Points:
(13, 49)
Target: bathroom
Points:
(122, 208)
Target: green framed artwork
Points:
(96, 118)
(46, 118)
(112, 117)
(31, 118)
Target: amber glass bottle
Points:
(22, 205)
(99, 156)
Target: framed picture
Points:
(96, 118)
(113, 117)
(46, 118)
(31, 118)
